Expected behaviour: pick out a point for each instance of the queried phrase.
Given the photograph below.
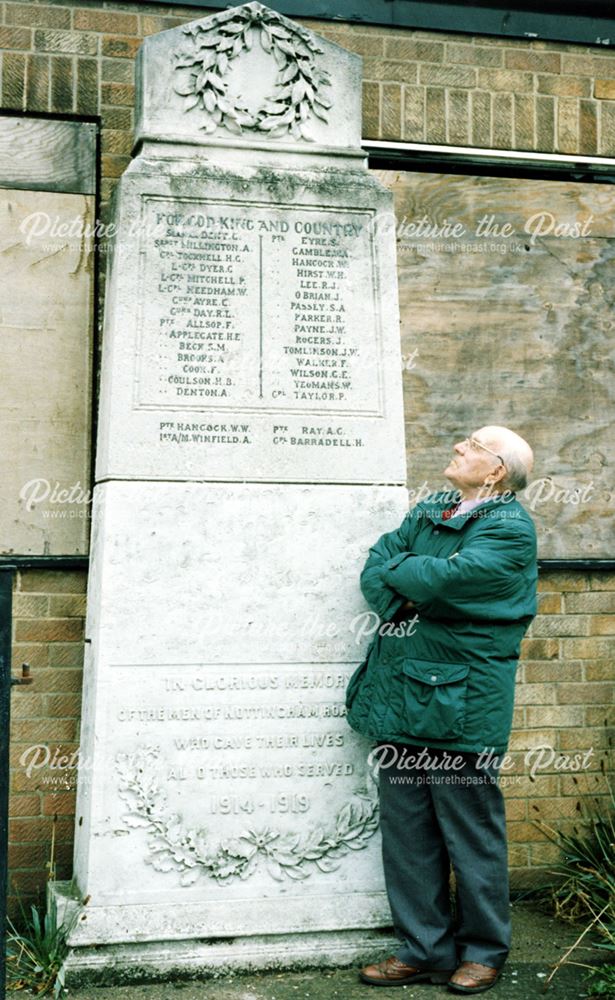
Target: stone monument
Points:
(250, 449)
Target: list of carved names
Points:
(251, 307)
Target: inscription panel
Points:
(248, 772)
(255, 306)
(254, 345)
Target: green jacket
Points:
(447, 677)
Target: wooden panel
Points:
(46, 372)
(42, 155)
(513, 329)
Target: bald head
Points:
(517, 455)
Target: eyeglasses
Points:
(474, 444)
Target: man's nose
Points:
(459, 447)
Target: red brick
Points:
(26, 804)
(30, 605)
(525, 740)
(524, 119)
(40, 731)
(111, 21)
(68, 42)
(56, 679)
(573, 740)
(505, 79)
(62, 706)
(13, 81)
(121, 118)
(540, 649)
(553, 808)
(448, 76)
(391, 111)
(599, 670)
(151, 24)
(583, 694)
(458, 117)
(568, 125)
(363, 45)
(535, 694)
(15, 38)
(392, 72)
(604, 90)
(561, 625)
(36, 654)
(593, 648)
(48, 581)
(562, 582)
(602, 581)
(59, 804)
(25, 704)
(408, 49)
(535, 62)
(114, 141)
(502, 120)
(516, 809)
(545, 853)
(37, 87)
(118, 93)
(413, 113)
(114, 166)
(473, 55)
(481, 117)
(118, 47)
(553, 715)
(87, 94)
(66, 654)
(538, 671)
(37, 16)
(371, 110)
(522, 832)
(435, 115)
(549, 604)
(49, 630)
(600, 601)
(28, 856)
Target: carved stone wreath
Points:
(174, 848)
(297, 94)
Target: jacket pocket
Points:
(435, 698)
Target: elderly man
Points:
(436, 691)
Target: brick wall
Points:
(419, 86)
(48, 615)
(77, 59)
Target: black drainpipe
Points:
(6, 608)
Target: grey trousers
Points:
(436, 817)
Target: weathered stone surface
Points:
(261, 334)
(229, 696)
(248, 75)
(250, 451)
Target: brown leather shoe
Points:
(472, 977)
(392, 972)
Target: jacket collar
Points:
(436, 505)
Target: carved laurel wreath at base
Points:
(172, 847)
(298, 92)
